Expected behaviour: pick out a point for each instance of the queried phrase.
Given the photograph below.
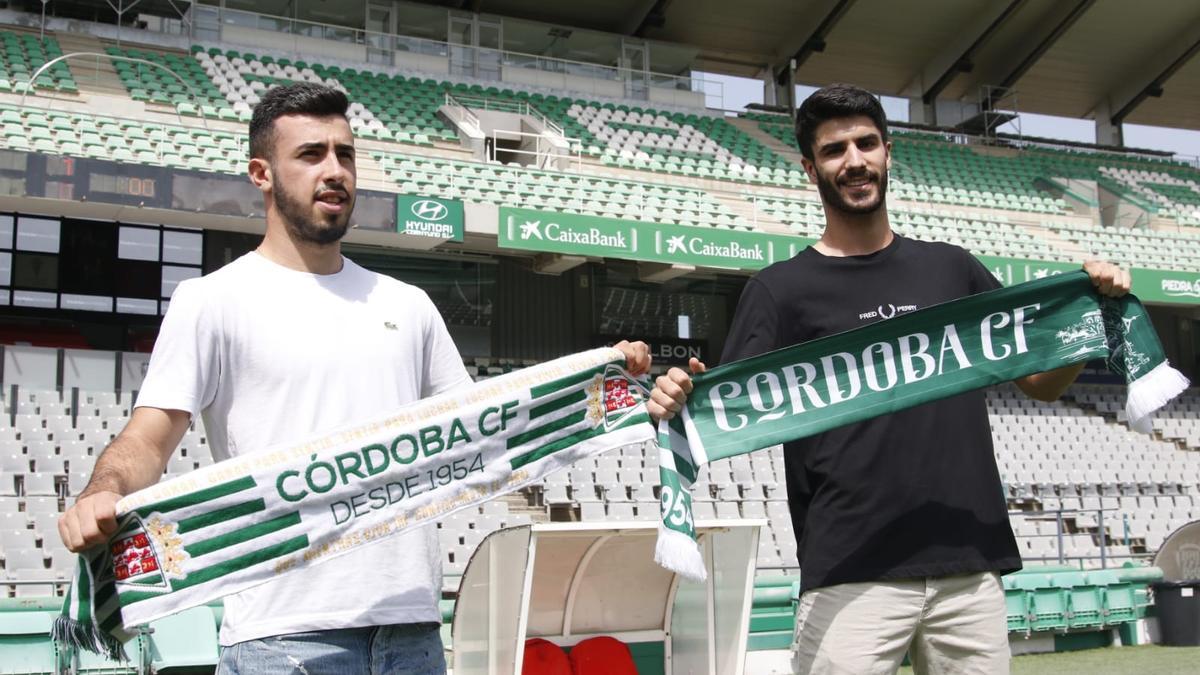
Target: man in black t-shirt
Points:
(901, 524)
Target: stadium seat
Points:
(40, 484)
(35, 504)
(1119, 602)
(543, 657)
(1016, 604)
(1047, 602)
(1084, 601)
(24, 53)
(25, 642)
(184, 642)
(602, 655)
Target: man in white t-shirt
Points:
(287, 340)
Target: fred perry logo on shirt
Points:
(887, 311)
(389, 325)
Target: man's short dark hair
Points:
(300, 98)
(834, 102)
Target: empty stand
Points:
(23, 54)
(1082, 487)
(557, 191)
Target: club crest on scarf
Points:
(133, 557)
(613, 397)
(1083, 337)
(148, 554)
(1124, 358)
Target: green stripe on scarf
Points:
(221, 515)
(201, 496)
(933, 353)
(557, 404)
(243, 535)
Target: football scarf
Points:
(242, 522)
(891, 365)
(238, 523)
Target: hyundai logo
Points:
(427, 209)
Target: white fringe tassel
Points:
(680, 554)
(1151, 392)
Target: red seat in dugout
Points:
(543, 657)
(602, 656)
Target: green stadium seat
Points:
(1016, 604)
(1119, 598)
(1047, 602)
(21, 56)
(1085, 603)
(184, 642)
(25, 642)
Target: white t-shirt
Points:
(270, 355)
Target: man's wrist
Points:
(102, 482)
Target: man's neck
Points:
(281, 248)
(849, 234)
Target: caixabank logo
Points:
(1181, 288)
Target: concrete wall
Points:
(100, 30)
(481, 218)
(91, 369)
(32, 367)
(310, 47)
(133, 370)
(427, 63)
(1116, 211)
(677, 97)
(583, 85)
(497, 119)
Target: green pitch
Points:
(1107, 661)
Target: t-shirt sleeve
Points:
(755, 327)
(184, 366)
(444, 370)
(981, 278)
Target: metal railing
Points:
(508, 105)
(459, 112)
(383, 47)
(1100, 533)
(462, 177)
(161, 147)
(192, 94)
(1037, 143)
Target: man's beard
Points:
(300, 221)
(831, 195)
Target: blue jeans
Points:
(402, 649)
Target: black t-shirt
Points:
(911, 494)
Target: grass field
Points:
(1148, 659)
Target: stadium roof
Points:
(1062, 57)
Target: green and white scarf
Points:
(891, 365)
(245, 521)
(242, 522)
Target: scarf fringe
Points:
(76, 635)
(1150, 392)
(680, 554)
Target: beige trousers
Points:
(951, 625)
